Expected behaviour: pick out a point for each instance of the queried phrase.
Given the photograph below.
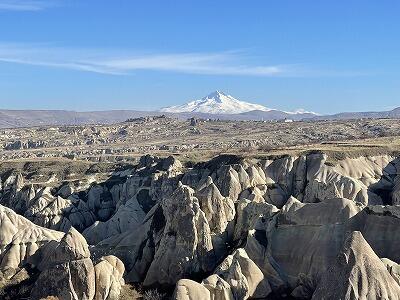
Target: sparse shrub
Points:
(266, 148)
(153, 295)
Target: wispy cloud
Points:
(24, 5)
(111, 62)
(225, 63)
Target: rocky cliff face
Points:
(228, 228)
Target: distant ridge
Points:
(393, 114)
(28, 118)
(217, 105)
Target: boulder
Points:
(189, 290)
(109, 278)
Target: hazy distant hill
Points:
(395, 113)
(216, 105)
(28, 118)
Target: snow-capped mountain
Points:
(219, 103)
(216, 103)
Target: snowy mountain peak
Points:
(217, 95)
(216, 103)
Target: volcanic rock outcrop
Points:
(357, 273)
(229, 228)
(53, 263)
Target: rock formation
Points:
(59, 263)
(357, 273)
(229, 228)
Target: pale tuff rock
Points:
(254, 194)
(237, 277)
(169, 164)
(396, 188)
(189, 290)
(249, 215)
(326, 183)
(66, 269)
(20, 239)
(285, 176)
(219, 210)
(101, 202)
(287, 215)
(69, 280)
(357, 273)
(379, 226)
(349, 178)
(58, 213)
(366, 169)
(312, 178)
(72, 246)
(212, 288)
(136, 247)
(244, 178)
(186, 245)
(256, 249)
(295, 212)
(219, 288)
(128, 216)
(109, 281)
(194, 177)
(227, 181)
(393, 268)
(47, 207)
(243, 275)
(319, 230)
(316, 229)
(220, 214)
(256, 175)
(137, 195)
(63, 259)
(14, 194)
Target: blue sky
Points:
(324, 56)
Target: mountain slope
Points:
(216, 103)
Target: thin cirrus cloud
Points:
(231, 63)
(226, 63)
(222, 63)
(25, 5)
